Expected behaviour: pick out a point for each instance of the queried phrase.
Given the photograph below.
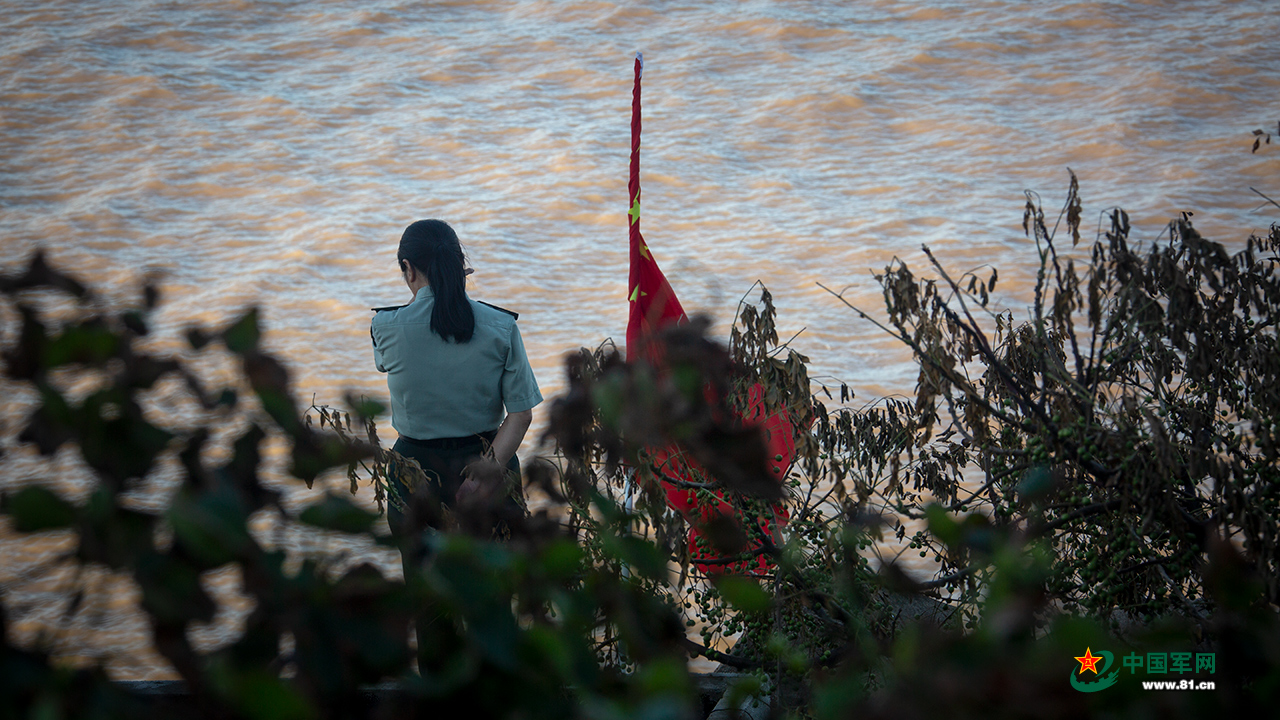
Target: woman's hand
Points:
(485, 478)
(483, 483)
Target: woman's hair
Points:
(433, 248)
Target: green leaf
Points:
(1036, 483)
(689, 381)
(52, 424)
(242, 336)
(314, 453)
(90, 343)
(608, 397)
(259, 694)
(35, 508)
(124, 446)
(743, 593)
(171, 590)
(640, 555)
(212, 527)
(279, 405)
(942, 525)
(837, 698)
(114, 536)
(365, 407)
(338, 513)
(665, 676)
(549, 647)
(562, 559)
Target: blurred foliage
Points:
(512, 624)
(1121, 443)
(1080, 476)
(1100, 475)
(795, 581)
(1128, 422)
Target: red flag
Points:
(672, 467)
(653, 302)
(654, 305)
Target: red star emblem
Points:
(1088, 662)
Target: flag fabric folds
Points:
(653, 304)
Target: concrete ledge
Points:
(172, 696)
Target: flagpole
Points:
(633, 231)
(635, 239)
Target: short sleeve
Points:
(519, 387)
(377, 351)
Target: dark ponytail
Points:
(433, 248)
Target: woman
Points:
(453, 365)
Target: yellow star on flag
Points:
(635, 211)
(1088, 662)
(644, 252)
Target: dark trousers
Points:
(443, 462)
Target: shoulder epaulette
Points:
(512, 313)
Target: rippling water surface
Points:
(271, 153)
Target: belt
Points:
(453, 443)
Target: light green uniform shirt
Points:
(445, 389)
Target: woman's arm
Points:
(480, 485)
(510, 435)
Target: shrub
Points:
(511, 625)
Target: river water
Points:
(271, 153)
